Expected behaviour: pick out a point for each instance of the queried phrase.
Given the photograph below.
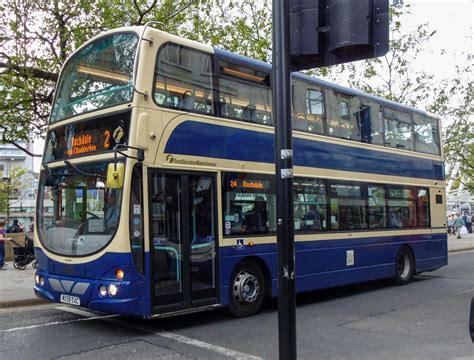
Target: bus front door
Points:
(183, 240)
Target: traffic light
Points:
(329, 32)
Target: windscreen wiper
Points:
(53, 172)
(96, 175)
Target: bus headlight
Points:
(39, 280)
(113, 289)
(102, 291)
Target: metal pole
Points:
(281, 90)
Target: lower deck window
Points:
(348, 207)
(249, 204)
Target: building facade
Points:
(19, 192)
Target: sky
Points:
(453, 21)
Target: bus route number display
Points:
(88, 137)
(92, 141)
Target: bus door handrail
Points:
(172, 249)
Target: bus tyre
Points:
(405, 266)
(247, 289)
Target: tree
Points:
(392, 77)
(37, 36)
(243, 27)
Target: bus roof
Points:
(263, 66)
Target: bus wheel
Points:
(405, 266)
(247, 289)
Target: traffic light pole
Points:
(281, 89)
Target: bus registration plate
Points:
(68, 299)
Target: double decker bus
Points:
(157, 191)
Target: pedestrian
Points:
(3, 264)
(15, 228)
(458, 224)
(467, 222)
(450, 225)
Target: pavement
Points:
(16, 286)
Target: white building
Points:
(22, 203)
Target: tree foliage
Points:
(37, 36)
(393, 77)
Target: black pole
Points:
(281, 87)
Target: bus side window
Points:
(342, 121)
(426, 134)
(310, 203)
(249, 204)
(308, 107)
(244, 94)
(398, 129)
(183, 79)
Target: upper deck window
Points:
(245, 94)
(308, 107)
(97, 76)
(342, 121)
(398, 129)
(426, 134)
(183, 79)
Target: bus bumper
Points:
(129, 298)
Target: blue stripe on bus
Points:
(322, 264)
(223, 142)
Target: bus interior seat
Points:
(187, 101)
(249, 113)
(224, 108)
(300, 122)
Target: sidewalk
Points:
(16, 286)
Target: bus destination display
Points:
(249, 184)
(87, 138)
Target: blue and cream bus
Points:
(157, 192)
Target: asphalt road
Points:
(427, 319)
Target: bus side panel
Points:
(330, 263)
(431, 255)
(247, 145)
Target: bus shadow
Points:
(270, 308)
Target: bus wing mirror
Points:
(115, 175)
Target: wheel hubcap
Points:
(403, 266)
(246, 287)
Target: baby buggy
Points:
(24, 254)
